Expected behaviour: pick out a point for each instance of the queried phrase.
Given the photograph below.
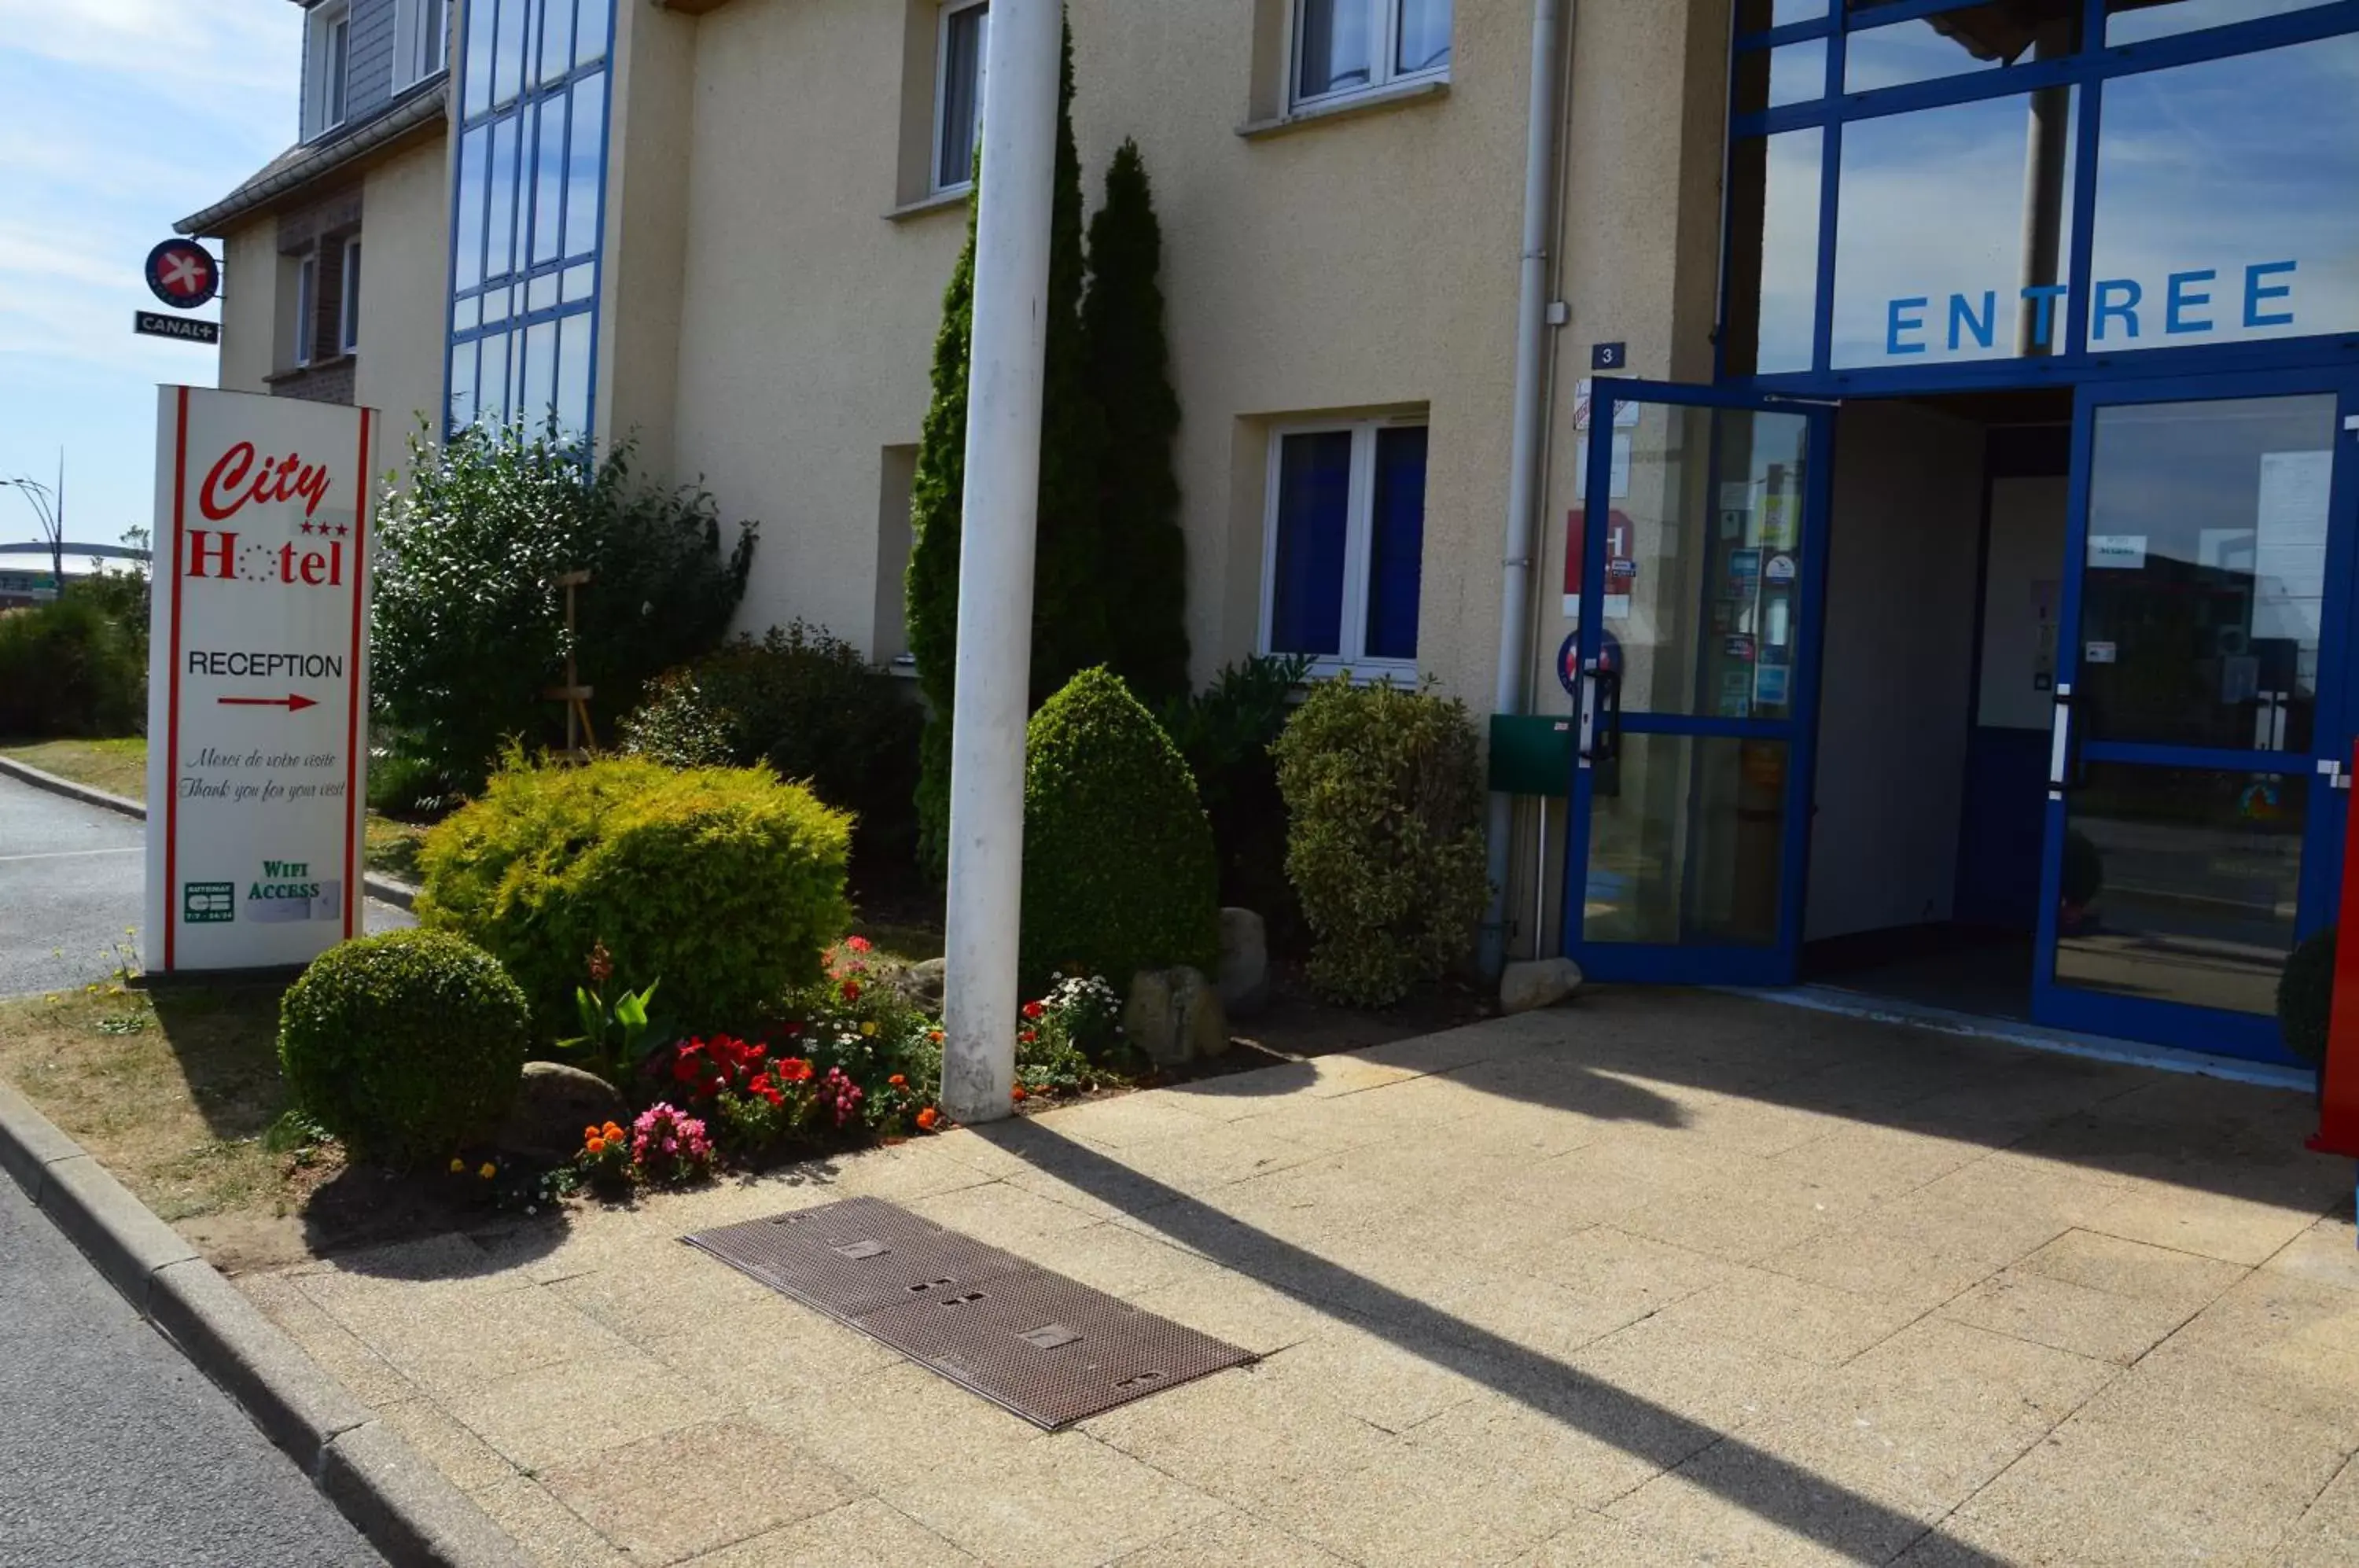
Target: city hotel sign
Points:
(2121, 310)
(257, 689)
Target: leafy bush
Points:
(404, 1045)
(1118, 868)
(724, 882)
(2306, 995)
(1225, 731)
(468, 624)
(1385, 841)
(67, 667)
(807, 704)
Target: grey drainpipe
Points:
(1526, 442)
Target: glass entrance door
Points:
(2203, 732)
(1703, 557)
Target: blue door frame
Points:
(2180, 1024)
(1602, 720)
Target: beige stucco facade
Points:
(776, 270)
(772, 295)
(406, 216)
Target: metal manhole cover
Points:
(1048, 1348)
(854, 1256)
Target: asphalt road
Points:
(71, 880)
(115, 1453)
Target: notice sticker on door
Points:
(2098, 653)
(2117, 553)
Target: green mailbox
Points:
(1531, 754)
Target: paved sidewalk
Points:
(1661, 1278)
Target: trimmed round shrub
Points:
(1385, 835)
(2306, 995)
(405, 1045)
(722, 884)
(1119, 874)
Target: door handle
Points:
(2059, 742)
(1583, 746)
(1609, 684)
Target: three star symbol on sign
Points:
(324, 529)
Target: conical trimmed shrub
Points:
(1119, 874)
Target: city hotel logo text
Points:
(2120, 309)
(239, 479)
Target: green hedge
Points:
(68, 667)
(405, 1045)
(1385, 835)
(1119, 873)
(722, 883)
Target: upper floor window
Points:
(958, 94)
(1344, 46)
(420, 35)
(348, 325)
(1345, 544)
(328, 39)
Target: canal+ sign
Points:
(2122, 311)
(257, 689)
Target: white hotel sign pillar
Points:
(257, 723)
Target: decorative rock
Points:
(1174, 1016)
(1244, 962)
(923, 984)
(553, 1104)
(1538, 983)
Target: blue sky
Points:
(122, 116)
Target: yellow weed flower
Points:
(489, 1171)
(869, 1027)
(457, 1166)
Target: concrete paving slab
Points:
(870, 1533)
(2323, 1254)
(1795, 1317)
(552, 1534)
(1067, 1501)
(2235, 1230)
(569, 1410)
(696, 1489)
(2065, 1316)
(1232, 1539)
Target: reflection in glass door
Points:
(1698, 683)
(2194, 824)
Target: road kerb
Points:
(410, 1512)
(401, 895)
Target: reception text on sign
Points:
(257, 680)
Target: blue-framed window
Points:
(2001, 191)
(528, 208)
(1345, 544)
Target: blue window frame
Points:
(1345, 536)
(1949, 193)
(527, 214)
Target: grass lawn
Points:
(120, 766)
(179, 1094)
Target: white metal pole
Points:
(1023, 56)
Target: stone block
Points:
(1244, 962)
(554, 1103)
(1175, 1015)
(1538, 983)
(923, 984)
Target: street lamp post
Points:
(1024, 51)
(48, 506)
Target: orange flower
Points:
(612, 1133)
(927, 1118)
(1017, 1093)
(897, 1081)
(594, 1145)
(590, 1132)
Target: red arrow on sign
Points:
(291, 702)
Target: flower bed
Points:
(851, 1060)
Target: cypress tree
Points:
(1069, 608)
(1138, 492)
(929, 587)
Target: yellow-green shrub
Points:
(1385, 835)
(722, 883)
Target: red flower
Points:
(852, 990)
(1017, 1093)
(793, 1070)
(927, 1118)
(1029, 1036)
(857, 943)
(1033, 1009)
(897, 1081)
